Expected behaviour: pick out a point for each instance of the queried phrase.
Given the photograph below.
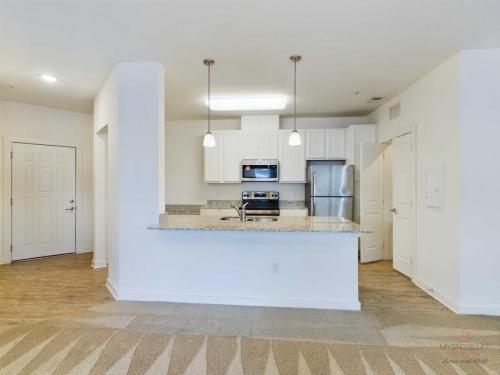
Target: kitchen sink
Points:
(230, 218)
(251, 218)
(262, 218)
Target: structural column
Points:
(133, 102)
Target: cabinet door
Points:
(292, 158)
(349, 145)
(268, 143)
(335, 144)
(250, 130)
(357, 134)
(250, 143)
(316, 144)
(213, 160)
(231, 156)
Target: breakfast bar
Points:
(303, 262)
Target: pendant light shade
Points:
(208, 139)
(294, 139)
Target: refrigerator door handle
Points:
(313, 203)
(314, 185)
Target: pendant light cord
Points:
(295, 94)
(208, 114)
(295, 59)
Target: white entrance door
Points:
(43, 200)
(372, 201)
(403, 190)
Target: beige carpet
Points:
(139, 338)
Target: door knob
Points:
(393, 210)
(70, 209)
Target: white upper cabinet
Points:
(231, 156)
(292, 159)
(259, 137)
(354, 136)
(316, 144)
(213, 160)
(250, 137)
(324, 144)
(222, 162)
(335, 144)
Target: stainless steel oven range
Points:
(261, 203)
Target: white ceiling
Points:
(375, 47)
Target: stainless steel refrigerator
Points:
(330, 189)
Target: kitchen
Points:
(209, 182)
(317, 162)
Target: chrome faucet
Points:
(242, 212)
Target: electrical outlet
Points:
(276, 267)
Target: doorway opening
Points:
(387, 202)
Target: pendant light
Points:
(294, 139)
(208, 139)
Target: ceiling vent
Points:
(376, 99)
(395, 111)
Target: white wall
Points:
(184, 161)
(431, 105)
(480, 180)
(51, 126)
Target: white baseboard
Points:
(83, 251)
(448, 302)
(480, 310)
(99, 263)
(238, 301)
(112, 289)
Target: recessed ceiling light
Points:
(49, 78)
(248, 103)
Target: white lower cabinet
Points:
(222, 162)
(287, 212)
(284, 212)
(218, 212)
(292, 159)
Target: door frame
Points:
(5, 253)
(413, 235)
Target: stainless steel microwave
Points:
(259, 170)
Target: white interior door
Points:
(372, 201)
(404, 171)
(43, 200)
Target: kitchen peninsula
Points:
(308, 262)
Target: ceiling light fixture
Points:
(261, 103)
(208, 139)
(294, 139)
(49, 78)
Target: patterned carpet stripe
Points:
(47, 349)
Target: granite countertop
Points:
(283, 224)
